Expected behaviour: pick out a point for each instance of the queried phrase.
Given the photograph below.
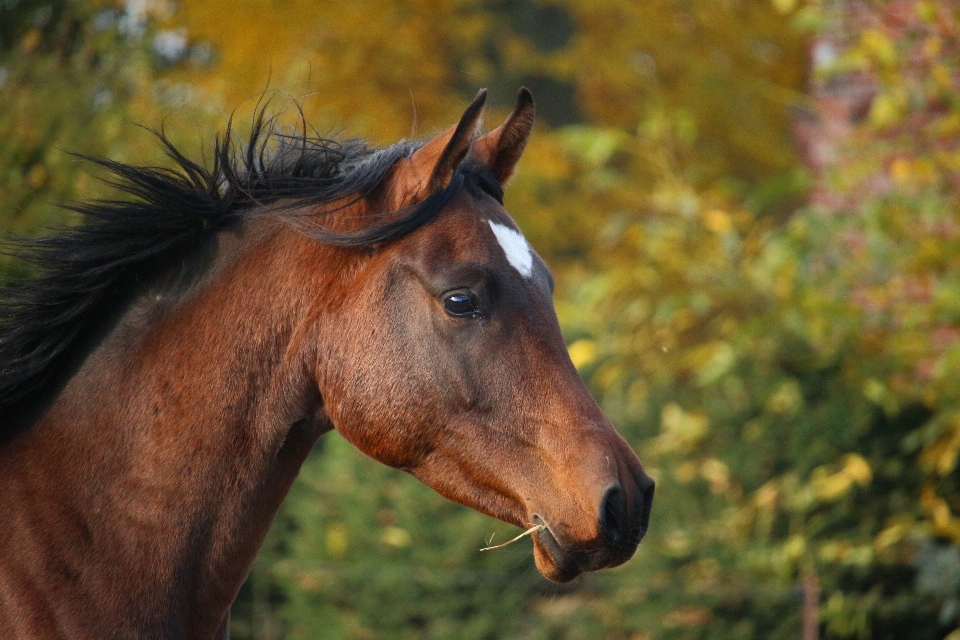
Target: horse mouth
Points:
(552, 561)
(561, 563)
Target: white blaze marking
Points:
(515, 247)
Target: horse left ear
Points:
(430, 168)
(500, 149)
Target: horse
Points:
(171, 361)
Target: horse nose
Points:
(645, 487)
(613, 515)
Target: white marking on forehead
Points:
(515, 247)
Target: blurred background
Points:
(751, 209)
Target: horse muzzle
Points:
(623, 516)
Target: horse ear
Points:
(500, 149)
(430, 168)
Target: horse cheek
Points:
(377, 404)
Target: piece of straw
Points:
(535, 529)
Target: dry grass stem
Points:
(534, 529)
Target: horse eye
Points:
(461, 305)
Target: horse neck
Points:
(144, 492)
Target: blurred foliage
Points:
(788, 372)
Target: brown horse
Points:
(164, 376)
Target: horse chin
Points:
(551, 560)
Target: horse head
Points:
(445, 359)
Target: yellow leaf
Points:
(890, 536)
(884, 111)
(900, 171)
(681, 430)
(717, 220)
(685, 472)
(932, 46)
(396, 537)
(857, 469)
(582, 352)
(31, 40)
(786, 400)
(336, 540)
(833, 487)
(717, 474)
(784, 6)
(712, 361)
(766, 496)
(795, 547)
(879, 45)
(943, 75)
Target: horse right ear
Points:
(430, 168)
(500, 150)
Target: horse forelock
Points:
(88, 274)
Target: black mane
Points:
(92, 270)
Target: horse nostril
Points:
(612, 514)
(646, 505)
